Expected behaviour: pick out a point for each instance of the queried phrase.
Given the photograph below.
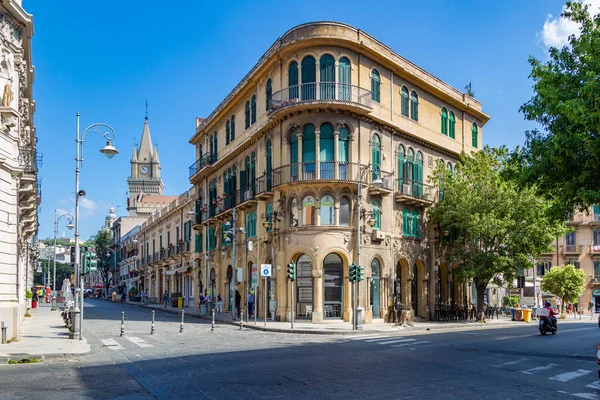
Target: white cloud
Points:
(60, 211)
(88, 206)
(556, 30)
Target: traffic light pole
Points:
(292, 305)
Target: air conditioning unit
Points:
(407, 189)
(248, 194)
(378, 235)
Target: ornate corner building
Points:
(19, 184)
(327, 109)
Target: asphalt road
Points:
(508, 363)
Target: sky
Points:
(105, 59)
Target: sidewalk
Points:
(43, 335)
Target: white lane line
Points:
(411, 343)
(538, 369)
(594, 385)
(112, 344)
(367, 337)
(589, 396)
(511, 362)
(379, 340)
(569, 376)
(397, 341)
(138, 341)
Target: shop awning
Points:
(174, 271)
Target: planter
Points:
(34, 304)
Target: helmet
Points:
(548, 304)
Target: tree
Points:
(565, 282)
(101, 245)
(62, 271)
(497, 227)
(561, 159)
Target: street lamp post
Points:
(377, 183)
(109, 151)
(69, 226)
(270, 225)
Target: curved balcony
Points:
(320, 93)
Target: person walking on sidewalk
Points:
(113, 296)
(219, 303)
(238, 302)
(250, 301)
(165, 298)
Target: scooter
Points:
(547, 326)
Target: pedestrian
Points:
(113, 296)
(238, 302)
(591, 309)
(250, 300)
(219, 303)
(570, 309)
(165, 298)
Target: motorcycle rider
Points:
(551, 316)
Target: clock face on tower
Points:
(144, 170)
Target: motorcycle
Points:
(546, 326)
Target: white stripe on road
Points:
(569, 376)
(510, 362)
(594, 385)
(112, 344)
(367, 337)
(412, 343)
(138, 341)
(539, 369)
(588, 396)
(379, 339)
(397, 341)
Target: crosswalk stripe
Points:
(411, 343)
(594, 385)
(588, 396)
(379, 340)
(538, 369)
(569, 376)
(510, 362)
(367, 337)
(396, 341)
(112, 344)
(138, 341)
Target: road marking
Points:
(112, 344)
(594, 385)
(511, 362)
(589, 396)
(379, 340)
(538, 369)
(367, 337)
(569, 376)
(412, 343)
(138, 341)
(397, 341)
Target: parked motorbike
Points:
(546, 326)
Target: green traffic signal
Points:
(352, 272)
(360, 273)
(291, 271)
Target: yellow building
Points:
(326, 109)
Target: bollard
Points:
(242, 320)
(4, 327)
(181, 327)
(122, 323)
(212, 325)
(152, 327)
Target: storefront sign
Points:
(254, 276)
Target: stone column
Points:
(300, 167)
(317, 154)
(336, 137)
(336, 213)
(317, 316)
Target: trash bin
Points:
(180, 302)
(512, 314)
(526, 315)
(518, 314)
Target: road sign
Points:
(265, 269)
(254, 276)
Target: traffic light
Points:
(291, 271)
(92, 263)
(352, 272)
(360, 273)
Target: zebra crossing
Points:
(391, 341)
(125, 342)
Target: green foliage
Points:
(501, 226)
(28, 294)
(133, 291)
(103, 253)
(511, 301)
(62, 271)
(561, 159)
(564, 281)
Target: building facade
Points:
(19, 185)
(326, 110)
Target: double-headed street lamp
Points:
(109, 151)
(69, 227)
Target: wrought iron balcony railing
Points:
(319, 92)
(205, 160)
(28, 159)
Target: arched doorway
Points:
(414, 292)
(333, 284)
(402, 279)
(376, 288)
(304, 287)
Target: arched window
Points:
(409, 168)
(449, 167)
(343, 151)
(452, 126)
(200, 151)
(270, 216)
(294, 154)
(474, 139)
(293, 80)
(401, 161)
(212, 146)
(293, 212)
(414, 106)
(269, 93)
(327, 77)
(327, 210)
(232, 128)
(444, 121)
(308, 210)
(418, 176)
(269, 166)
(344, 211)
(309, 77)
(245, 175)
(253, 109)
(375, 86)
(376, 156)
(215, 136)
(253, 224)
(326, 156)
(404, 105)
(227, 132)
(308, 152)
(247, 114)
(376, 214)
(345, 79)
(415, 224)
(406, 222)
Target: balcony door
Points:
(344, 78)
(326, 154)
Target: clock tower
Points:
(145, 172)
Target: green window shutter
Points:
(404, 105)
(375, 86)
(227, 132)
(247, 114)
(376, 211)
(269, 94)
(414, 106)
(406, 222)
(596, 209)
(232, 128)
(293, 80)
(248, 232)
(269, 215)
(444, 121)
(415, 224)
(344, 78)
(197, 244)
(376, 156)
(309, 77)
(253, 224)
(253, 108)
(474, 135)
(400, 167)
(452, 126)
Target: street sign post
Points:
(265, 271)
(254, 276)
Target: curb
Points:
(42, 357)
